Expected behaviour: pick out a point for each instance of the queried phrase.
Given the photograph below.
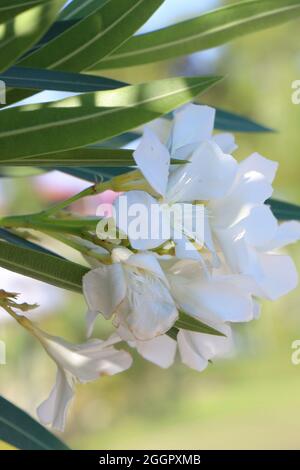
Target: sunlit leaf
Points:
(94, 37)
(17, 240)
(21, 32)
(41, 266)
(11, 8)
(42, 79)
(94, 117)
(208, 30)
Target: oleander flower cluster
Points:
(180, 292)
(216, 274)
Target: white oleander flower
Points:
(248, 234)
(239, 230)
(134, 291)
(209, 297)
(75, 363)
(195, 349)
(208, 174)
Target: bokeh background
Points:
(249, 401)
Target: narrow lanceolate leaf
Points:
(88, 40)
(186, 322)
(94, 117)
(55, 30)
(284, 210)
(208, 30)
(79, 9)
(41, 266)
(42, 79)
(18, 429)
(20, 33)
(74, 12)
(232, 122)
(94, 37)
(11, 8)
(77, 157)
(97, 157)
(14, 239)
(93, 175)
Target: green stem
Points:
(76, 245)
(91, 191)
(75, 226)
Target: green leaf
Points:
(232, 122)
(186, 322)
(93, 175)
(20, 33)
(74, 12)
(21, 431)
(41, 266)
(97, 116)
(173, 332)
(78, 9)
(208, 30)
(284, 210)
(11, 8)
(42, 79)
(94, 37)
(88, 40)
(97, 157)
(26, 77)
(55, 30)
(16, 240)
(77, 157)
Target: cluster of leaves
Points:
(44, 46)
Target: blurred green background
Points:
(249, 401)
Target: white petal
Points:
(208, 175)
(160, 350)
(196, 349)
(279, 276)
(210, 299)
(256, 309)
(192, 124)
(224, 299)
(260, 226)
(149, 262)
(260, 164)
(52, 412)
(287, 232)
(162, 128)
(185, 249)
(153, 160)
(87, 361)
(143, 229)
(101, 359)
(104, 289)
(249, 190)
(150, 310)
(226, 142)
(234, 248)
(187, 269)
(90, 320)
